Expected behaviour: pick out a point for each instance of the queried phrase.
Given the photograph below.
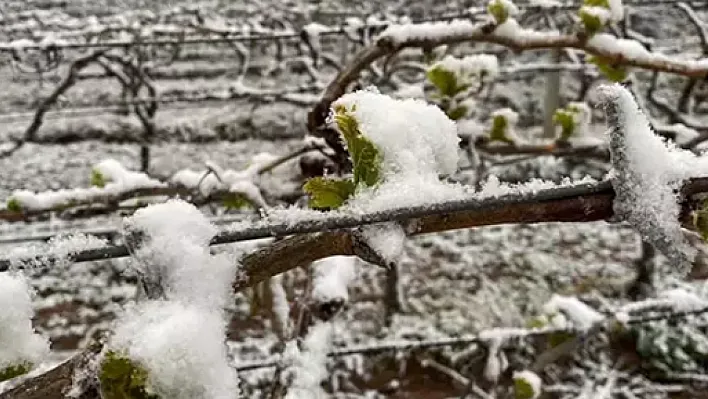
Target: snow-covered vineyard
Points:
(313, 199)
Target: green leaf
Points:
(120, 378)
(615, 73)
(457, 113)
(328, 193)
(597, 3)
(566, 119)
(591, 22)
(523, 389)
(366, 158)
(15, 370)
(498, 10)
(443, 80)
(14, 205)
(498, 132)
(97, 179)
(235, 201)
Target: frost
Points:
(19, 343)
(309, 366)
(182, 348)
(648, 172)
(332, 277)
(581, 315)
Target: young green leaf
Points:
(591, 22)
(566, 119)
(615, 73)
(235, 201)
(97, 179)
(597, 3)
(15, 370)
(366, 158)
(120, 378)
(328, 193)
(498, 10)
(457, 113)
(443, 80)
(498, 132)
(526, 385)
(14, 205)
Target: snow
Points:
(120, 181)
(403, 33)
(617, 10)
(511, 30)
(647, 171)
(532, 379)
(545, 3)
(332, 277)
(683, 300)
(313, 31)
(182, 348)
(281, 307)
(470, 66)
(581, 315)
(415, 138)
(180, 341)
(19, 343)
(234, 181)
(309, 366)
(176, 252)
(386, 240)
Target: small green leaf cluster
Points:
(331, 193)
(98, 179)
(121, 378)
(500, 10)
(548, 321)
(525, 387)
(569, 119)
(592, 23)
(501, 126)
(14, 205)
(612, 71)
(15, 370)
(236, 201)
(455, 79)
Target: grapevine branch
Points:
(486, 33)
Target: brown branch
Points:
(57, 382)
(485, 33)
(68, 81)
(300, 251)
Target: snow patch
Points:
(19, 343)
